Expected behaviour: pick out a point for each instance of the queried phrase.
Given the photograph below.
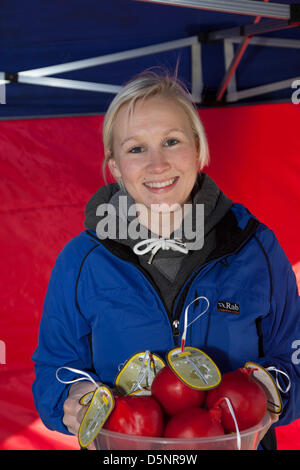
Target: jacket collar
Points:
(229, 236)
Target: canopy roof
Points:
(109, 42)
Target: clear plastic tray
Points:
(250, 438)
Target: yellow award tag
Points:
(274, 403)
(137, 375)
(99, 408)
(194, 368)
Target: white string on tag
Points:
(238, 436)
(278, 371)
(86, 376)
(186, 324)
(144, 371)
(230, 407)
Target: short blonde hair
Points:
(149, 84)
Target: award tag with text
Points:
(99, 408)
(194, 368)
(265, 379)
(137, 375)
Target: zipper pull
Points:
(176, 332)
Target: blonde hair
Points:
(149, 84)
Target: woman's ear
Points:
(112, 165)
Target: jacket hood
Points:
(107, 212)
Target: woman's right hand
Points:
(73, 410)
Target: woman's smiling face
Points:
(155, 152)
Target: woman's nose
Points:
(158, 162)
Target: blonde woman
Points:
(161, 236)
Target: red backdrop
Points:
(49, 169)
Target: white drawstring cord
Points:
(155, 244)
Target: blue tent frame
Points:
(21, 90)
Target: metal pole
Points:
(197, 81)
(109, 58)
(267, 26)
(73, 84)
(271, 42)
(244, 7)
(261, 90)
(237, 59)
(229, 56)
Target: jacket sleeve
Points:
(281, 327)
(63, 341)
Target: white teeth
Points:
(162, 184)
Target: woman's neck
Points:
(165, 221)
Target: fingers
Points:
(73, 410)
(72, 414)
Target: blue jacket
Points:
(101, 307)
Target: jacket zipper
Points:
(184, 291)
(176, 332)
(174, 321)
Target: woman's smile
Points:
(161, 186)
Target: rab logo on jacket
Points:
(225, 306)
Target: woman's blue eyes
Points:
(168, 143)
(136, 150)
(171, 142)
